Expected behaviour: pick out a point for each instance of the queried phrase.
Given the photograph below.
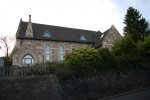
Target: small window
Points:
(47, 52)
(27, 60)
(47, 56)
(61, 57)
(47, 47)
(61, 53)
(47, 34)
(82, 37)
(61, 48)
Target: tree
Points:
(144, 47)
(124, 46)
(107, 61)
(126, 52)
(5, 47)
(136, 26)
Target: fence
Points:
(15, 71)
(20, 70)
(38, 69)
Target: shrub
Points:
(82, 61)
(43, 69)
(107, 61)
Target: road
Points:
(142, 95)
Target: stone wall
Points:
(104, 85)
(110, 37)
(51, 88)
(30, 88)
(36, 49)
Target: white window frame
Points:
(61, 52)
(27, 58)
(47, 51)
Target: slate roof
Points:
(57, 33)
(100, 39)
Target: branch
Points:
(5, 41)
(3, 50)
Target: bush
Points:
(144, 47)
(82, 61)
(107, 61)
(43, 69)
(124, 46)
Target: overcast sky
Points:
(83, 14)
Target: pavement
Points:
(139, 95)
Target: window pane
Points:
(47, 34)
(47, 52)
(28, 60)
(61, 52)
(82, 37)
(47, 47)
(47, 57)
(61, 48)
(61, 57)
(28, 56)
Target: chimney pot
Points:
(29, 18)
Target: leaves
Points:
(82, 61)
(136, 26)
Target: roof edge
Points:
(18, 30)
(65, 27)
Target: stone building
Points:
(37, 43)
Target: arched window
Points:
(27, 60)
(61, 53)
(47, 52)
(47, 47)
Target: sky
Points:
(82, 14)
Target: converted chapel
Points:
(37, 43)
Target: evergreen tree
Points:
(136, 26)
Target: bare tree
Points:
(5, 42)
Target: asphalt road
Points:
(142, 95)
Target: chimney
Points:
(29, 18)
(29, 31)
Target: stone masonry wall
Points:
(50, 87)
(30, 88)
(36, 49)
(110, 37)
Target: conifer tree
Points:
(135, 25)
